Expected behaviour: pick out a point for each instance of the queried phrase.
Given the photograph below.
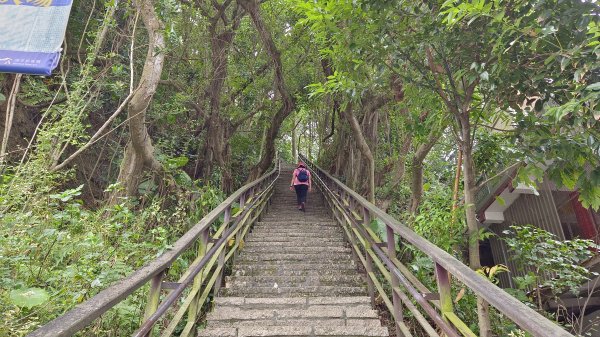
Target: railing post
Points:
(370, 270)
(397, 302)
(264, 188)
(351, 239)
(221, 260)
(242, 202)
(195, 306)
(153, 297)
(444, 289)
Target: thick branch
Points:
(252, 7)
(328, 71)
(149, 80)
(363, 146)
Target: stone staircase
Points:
(294, 277)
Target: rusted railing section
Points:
(203, 276)
(435, 312)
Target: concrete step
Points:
(311, 315)
(304, 280)
(257, 249)
(329, 223)
(268, 240)
(295, 214)
(293, 244)
(234, 314)
(287, 197)
(264, 232)
(297, 229)
(302, 227)
(285, 200)
(300, 235)
(292, 208)
(289, 302)
(284, 257)
(368, 322)
(292, 218)
(319, 330)
(294, 269)
(293, 291)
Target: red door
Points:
(584, 217)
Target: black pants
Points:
(301, 191)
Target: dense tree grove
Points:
(160, 108)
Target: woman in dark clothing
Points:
(302, 184)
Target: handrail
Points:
(252, 198)
(348, 207)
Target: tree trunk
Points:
(310, 141)
(401, 163)
(456, 185)
(473, 228)
(364, 149)
(294, 143)
(216, 130)
(216, 148)
(10, 113)
(139, 154)
(287, 106)
(417, 170)
(328, 71)
(459, 105)
(263, 140)
(227, 176)
(343, 152)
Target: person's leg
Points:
(303, 193)
(298, 189)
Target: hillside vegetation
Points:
(161, 108)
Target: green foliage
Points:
(540, 252)
(28, 297)
(533, 65)
(491, 272)
(545, 62)
(437, 223)
(491, 153)
(56, 256)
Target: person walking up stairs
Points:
(294, 277)
(302, 184)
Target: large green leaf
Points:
(595, 86)
(177, 162)
(29, 297)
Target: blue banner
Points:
(32, 34)
(28, 62)
(36, 3)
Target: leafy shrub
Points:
(539, 251)
(54, 257)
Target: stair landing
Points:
(294, 277)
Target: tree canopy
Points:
(160, 108)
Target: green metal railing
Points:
(203, 276)
(433, 310)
